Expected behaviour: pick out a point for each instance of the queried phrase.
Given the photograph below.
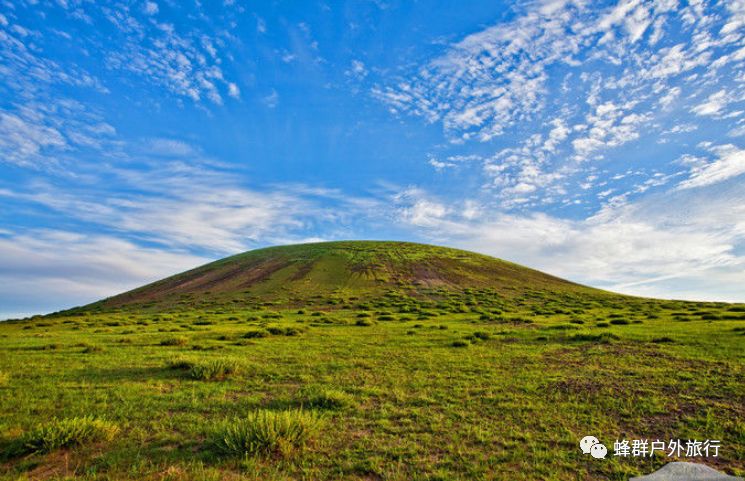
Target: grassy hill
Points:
(299, 274)
(366, 361)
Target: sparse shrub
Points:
(386, 317)
(325, 398)
(363, 322)
(602, 324)
(603, 338)
(266, 432)
(291, 331)
(91, 349)
(174, 341)
(577, 321)
(620, 322)
(460, 343)
(180, 363)
(519, 320)
(283, 331)
(256, 333)
(442, 327)
(67, 433)
(561, 327)
(203, 322)
(484, 336)
(213, 369)
(663, 340)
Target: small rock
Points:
(680, 471)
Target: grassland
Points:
(404, 377)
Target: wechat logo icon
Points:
(592, 446)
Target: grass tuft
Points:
(174, 341)
(620, 322)
(183, 364)
(603, 338)
(67, 432)
(663, 340)
(266, 432)
(213, 369)
(326, 398)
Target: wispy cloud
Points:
(271, 100)
(187, 203)
(40, 135)
(567, 82)
(70, 268)
(668, 245)
(186, 63)
(729, 164)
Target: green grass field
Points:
(397, 365)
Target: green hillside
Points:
(366, 361)
(337, 271)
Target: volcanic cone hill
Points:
(339, 273)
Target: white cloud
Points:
(151, 8)
(170, 148)
(440, 165)
(46, 270)
(357, 70)
(731, 163)
(713, 105)
(738, 131)
(43, 135)
(271, 100)
(670, 245)
(641, 68)
(185, 62)
(419, 211)
(186, 204)
(21, 140)
(234, 91)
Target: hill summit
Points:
(330, 272)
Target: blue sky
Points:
(599, 141)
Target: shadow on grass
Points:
(117, 374)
